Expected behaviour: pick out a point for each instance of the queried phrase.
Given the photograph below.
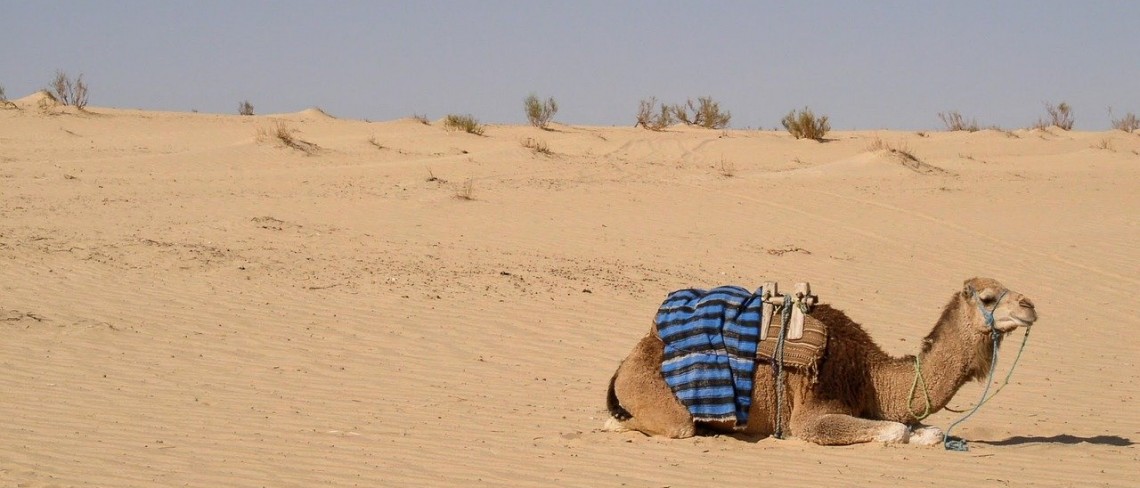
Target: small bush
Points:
(902, 151)
(465, 123)
(281, 132)
(537, 146)
(1128, 123)
(466, 191)
(245, 108)
(539, 113)
(4, 102)
(955, 122)
(1060, 116)
(805, 125)
(705, 113)
(726, 168)
(652, 117)
(421, 119)
(68, 92)
(60, 87)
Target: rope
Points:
(914, 386)
(956, 443)
(778, 365)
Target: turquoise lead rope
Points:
(956, 443)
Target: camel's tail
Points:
(615, 408)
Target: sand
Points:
(185, 301)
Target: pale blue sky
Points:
(868, 65)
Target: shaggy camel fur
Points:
(860, 394)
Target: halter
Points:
(988, 314)
(959, 444)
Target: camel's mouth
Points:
(1011, 322)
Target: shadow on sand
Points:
(1100, 440)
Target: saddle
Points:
(715, 338)
(804, 342)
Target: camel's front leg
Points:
(838, 429)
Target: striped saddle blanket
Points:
(710, 350)
(712, 346)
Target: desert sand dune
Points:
(187, 303)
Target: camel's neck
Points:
(950, 356)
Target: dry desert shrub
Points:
(1128, 123)
(877, 144)
(465, 123)
(652, 117)
(466, 191)
(245, 108)
(538, 112)
(68, 92)
(705, 113)
(421, 119)
(4, 102)
(537, 146)
(1060, 116)
(281, 132)
(726, 168)
(955, 122)
(805, 124)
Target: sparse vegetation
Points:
(955, 122)
(421, 119)
(372, 140)
(537, 146)
(901, 150)
(466, 190)
(726, 168)
(1060, 116)
(538, 112)
(67, 92)
(465, 123)
(1105, 144)
(281, 132)
(1128, 123)
(4, 102)
(805, 124)
(705, 113)
(652, 117)
(245, 108)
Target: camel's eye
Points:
(987, 298)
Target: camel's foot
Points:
(892, 432)
(614, 425)
(926, 436)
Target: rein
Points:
(956, 443)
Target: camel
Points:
(858, 394)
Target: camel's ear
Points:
(967, 289)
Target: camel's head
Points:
(1008, 309)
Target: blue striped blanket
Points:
(710, 350)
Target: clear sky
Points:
(866, 64)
